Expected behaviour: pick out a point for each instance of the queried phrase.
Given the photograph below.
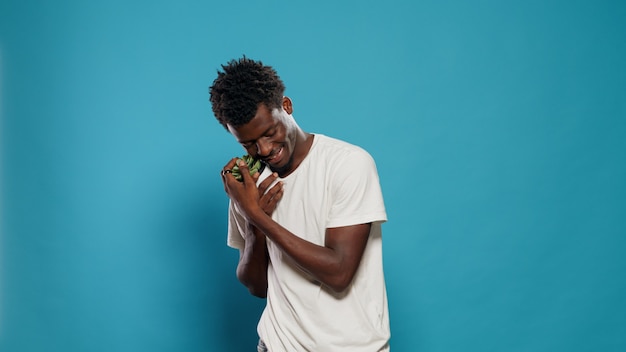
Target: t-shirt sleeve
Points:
(356, 192)
(235, 228)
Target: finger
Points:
(272, 197)
(245, 173)
(227, 177)
(264, 185)
(228, 168)
(275, 191)
(224, 180)
(230, 164)
(226, 172)
(275, 188)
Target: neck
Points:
(304, 141)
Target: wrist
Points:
(254, 232)
(256, 216)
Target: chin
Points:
(282, 169)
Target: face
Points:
(270, 136)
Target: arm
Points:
(253, 261)
(333, 264)
(253, 257)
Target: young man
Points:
(308, 229)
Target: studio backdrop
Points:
(498, 129)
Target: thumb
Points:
(244, 171)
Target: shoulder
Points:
(339, 149)
(339, 157)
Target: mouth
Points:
(275, 157)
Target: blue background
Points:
(499, 130)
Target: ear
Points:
(287, 105)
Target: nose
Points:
(263, 147)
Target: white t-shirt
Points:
(335, 185)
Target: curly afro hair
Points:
(239, 89)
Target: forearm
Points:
(253, 262)
(327, 265)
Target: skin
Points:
(275, 137)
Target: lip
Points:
(276, 158)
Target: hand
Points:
(269, 198)
(243, 193)
(246, 195)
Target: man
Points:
(308, 228)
